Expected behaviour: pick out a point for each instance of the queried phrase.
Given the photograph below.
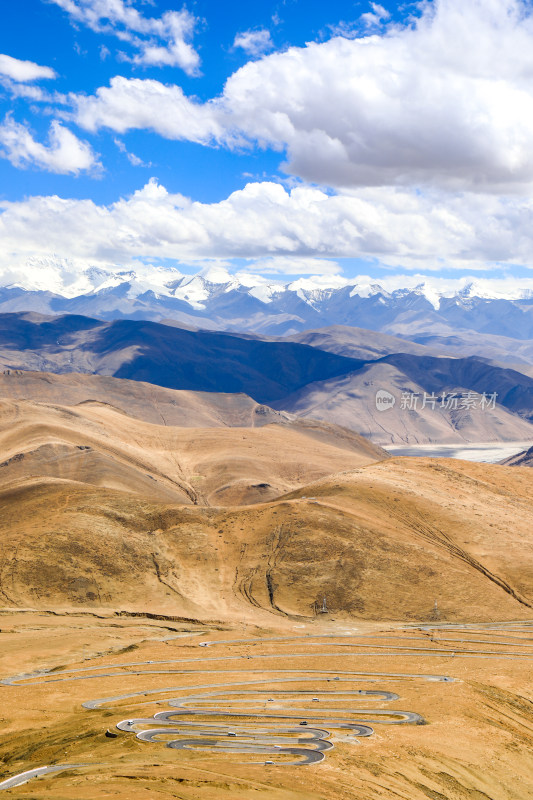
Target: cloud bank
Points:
(410, 145)
(265, 220)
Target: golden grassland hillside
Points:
(100, 445)
(380, 542)
(127, 542)
(101, 509)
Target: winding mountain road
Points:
(274, 714)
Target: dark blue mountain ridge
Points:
(267, 371)
(167, 356)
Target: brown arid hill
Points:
(382, 541)
(105, 509)
(125, 545)
(97, 444)
(145, 401)
(173, 407)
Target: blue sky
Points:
(75, 53)
(290, 137)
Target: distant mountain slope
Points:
(516, 353)
(354, 342)
(171, 357)
(350, 401)
(360, 343)
(513, 389)
(306, 381)
(524, 459)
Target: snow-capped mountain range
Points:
(216, 299)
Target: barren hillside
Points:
(381, 541)
(97, 444)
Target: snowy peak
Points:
(215, 297)
(367, 290)
(70, 278)
(316, 290)
(198, 289)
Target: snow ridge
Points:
(70, 278)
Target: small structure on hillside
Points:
(320, 609)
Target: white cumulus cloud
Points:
(23, 71)
(376, 16)
(128, 104)
(64, 154)
(254, 42)
(159, 41)
(446, 101)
